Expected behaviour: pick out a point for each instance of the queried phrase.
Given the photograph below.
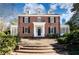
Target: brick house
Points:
(38, 25)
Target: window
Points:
(51, 30)
(51, 19)
(27, 20)
(54, 29)
(27, 30)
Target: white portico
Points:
(39, 29)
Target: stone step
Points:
(35, 51)
(18, 53)
(37, 48)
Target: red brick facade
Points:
(30, 25)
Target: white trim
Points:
(39, 15)
(42, 26)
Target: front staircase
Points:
(37, 47)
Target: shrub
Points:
(65, 34)
(73, 38)
(61, 40)
(7, 31)
(2, 34)
(7, 43)
(72, 42)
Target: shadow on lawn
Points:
(59, 49)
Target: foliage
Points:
(2, 34)
(73, 37)
(7, 43)
(7, 31)
(76, 7)
(61, 40)
(71, 41)
(65, 34)
(74, 21)
(1, 25)
(14, 22)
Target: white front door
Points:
(39, 29)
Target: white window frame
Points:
(52, 19)
(26, 20)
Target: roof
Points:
(39, 15)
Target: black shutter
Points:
(28, 19)
(23, 19)
(48, 19)
(54, 20)
(49, 30)
(23, 29)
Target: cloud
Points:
(53, 6)
(33, 6)
(68, 14)
(63, 6)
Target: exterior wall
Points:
(64, 29)
(31, 25)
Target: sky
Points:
(9, 11)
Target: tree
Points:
(75, 7)
(74, 21)
(1, 25)
(14, 22)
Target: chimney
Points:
(27, 10)
(50, 11)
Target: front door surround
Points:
(39, 29)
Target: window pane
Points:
(26, 30)
(26, 20)
(52, 19)
(54, 29)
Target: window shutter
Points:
(28, 19)
(54, 20)
(48, 19)
(23, 29)
(23, 19)
(49, 30)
